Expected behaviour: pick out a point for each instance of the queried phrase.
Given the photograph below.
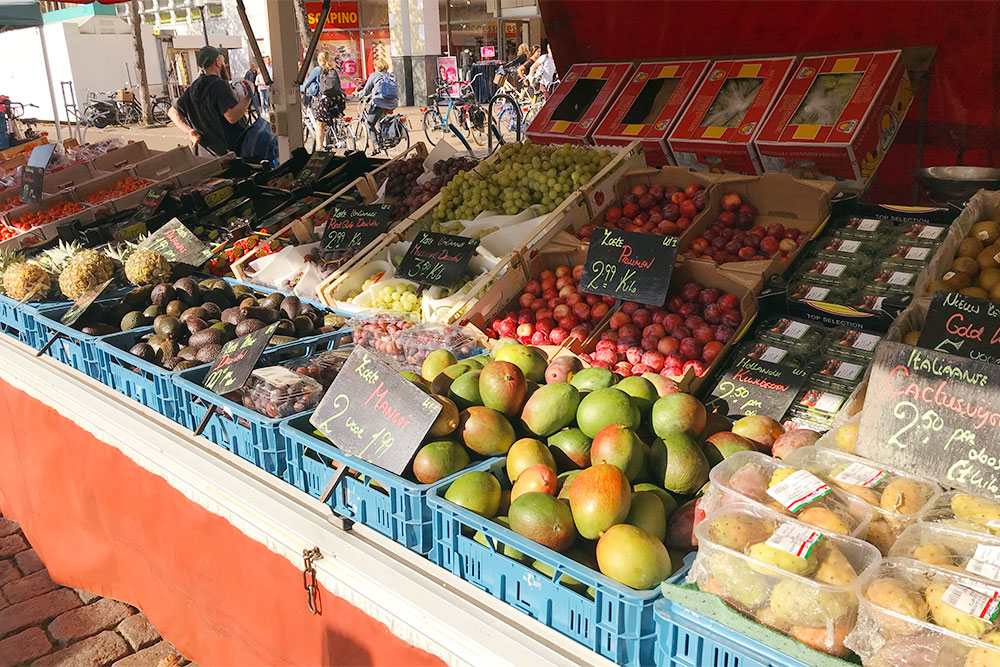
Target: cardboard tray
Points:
(169, 164)
(124, 203)
(70, 177)
(544, 129)
(124, 157)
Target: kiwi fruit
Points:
(911, 337)
(958, 280)
(986, 260)
(995, 293)
(937, 286)
(988, 278)
(965, 265)
(987, 231)
(975, 291)
(970, 246)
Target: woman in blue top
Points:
(310, 87)
(382, 85)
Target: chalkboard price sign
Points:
(935, 415)
(314, 168)
(177, 244)
(234, 365)
(437, 259)
(151, 202)
(965, 326)
(81, 305)
(756, 387)
(355, 226)
(33, 173)
(372, 412)
(631, 266)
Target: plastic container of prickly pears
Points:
(919, 233)
(759, 479)
(912, 613)
(793, 577)
(822, 271)
(853, 343)
(976, 554)
(798, 335)
(896, 498)
(805, 289)
(964, 511)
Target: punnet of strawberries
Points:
(734, 236)
(55, 211)
(119, 188)
(666, 210)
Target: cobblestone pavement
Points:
(43, 624)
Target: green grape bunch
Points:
(523, 175)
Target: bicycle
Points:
(99, 112)
(514, 106)
(470, 115)
(390, 131)
(338, 133)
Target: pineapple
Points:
(145, 267)
(87, 269)
(8, 257)
(26, 281)
(55, 259)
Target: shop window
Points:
(374, 13)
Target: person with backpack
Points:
(330, 100)
(208, 112)
(385, 94)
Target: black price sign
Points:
(631, 266)
(437, 259)
(355, 226)
(151, 202)
(935, 415)
(177, 244)
(33, 173)
(81, 305)
(372, 412)
(314, 167)
(965, 326)
(236, 362)
(756, 387)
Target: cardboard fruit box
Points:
(170, 164)
(70, 177)
(578, 103)
(108, 206)
(124, 157)
(649, 105)
(716, 131)
(837, 117)
(44, 232)
(777, 198)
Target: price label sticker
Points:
(864, 341)
(916, 253)
(277, 376)
(846, 245)
(795, 539)
(985, 562)
(868, 225)
(771, 353)
(858, 474)
(816, 293)
(899, 278)
(833, 270)
(791, 328)
(930, 232)
(979, 603)
(798, 490)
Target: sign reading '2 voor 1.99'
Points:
(934, 414)
(631, 266)
(372, 412)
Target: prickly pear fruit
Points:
(896, 595)
(950, 618)
(983, 656)
(780, 558)
(978, 510)
(737, 531)
(833, 567)
(823, 518)
(903, 496)
(800, 603)
(780, 475)
(738, 582)
(829, 640)
(750, 480)
(934, 554)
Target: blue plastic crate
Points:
(377, 498)
(74, 348)
(614, 620)
(686, 638)
(237, 429)
(155, 386)
(18, 321)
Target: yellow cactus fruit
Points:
(765, 616)
(896, 595)
(824, 518)
(780, 558)
(934, 554)
(829, 640)
(738, 583)
(800, 603)
(780, 475)
(833, 567)
(737, 531)
(950, 618)
(862, 492)
(983, 656)
(903, 496)
(881, 534)
(845, 437)
(980, 511)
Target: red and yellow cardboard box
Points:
(716, 131)
(572, 112)
(649, 105)
(837, 117)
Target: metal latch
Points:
(310, 556)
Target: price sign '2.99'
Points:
(631, 266)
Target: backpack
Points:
(259, 145)
(388, 89)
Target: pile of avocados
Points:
(192, 320)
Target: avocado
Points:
(208, 336)
(175, 308)
(226, 328)
(153, 311)
(134, 320)
(143, 351)
(99, 329)
(162, 294)
(194, 311)
(249, 302)
(212, 310)
(138, 298)
(169, 327)
(280, 340)
(168, 348)
(231, 315)
(290, 306)
(187, 353)
(304, 326)
(170, 363)
(208, 353)
(217, 296)
(248, 325)
(195, 324)
(265, 315)
(185, 364)
(273, 300)
(285, 328)
(241, 289)
(188, 291)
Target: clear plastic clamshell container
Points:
(822, 271)
(908, 257)
(895, 497)
(417, 342)
(796, 335)
(819, 402)
(775, 353)
(964, 511)
(921, 234)
(791, 491)
(911, 614)
(277, 392)
(859, 253)
(854, 343)
(937, 544)
(837, 371)
(809, 290)
(864, 229)
(322, 367)
(797, 579)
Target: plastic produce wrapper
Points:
(748, 477)
(793, 578)
(911, 614)
(403, 343)
(321, 367)
(277, 392)
(964, 511)
(976, 554)
(895, 497)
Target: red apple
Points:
(769, 245)
(613, 213)
(630, 210)
(687, 209)
(788, 245)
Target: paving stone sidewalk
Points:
(43, 624)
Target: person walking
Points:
(251, 77)
(543, 72)
(264, 89)
(310, 87)
(208, 111)
(330, 100)
(382, 86)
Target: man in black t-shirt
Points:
(208, 111)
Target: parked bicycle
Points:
(515, 104)
(468, 114)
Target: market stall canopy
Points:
(16, 14)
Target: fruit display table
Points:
(120, 501)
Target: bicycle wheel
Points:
(358, 129)
(160, 108)
(126, 114)
(506, 115)
(475, 125)
(97, 116)
(434, 127)
(308, 139)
